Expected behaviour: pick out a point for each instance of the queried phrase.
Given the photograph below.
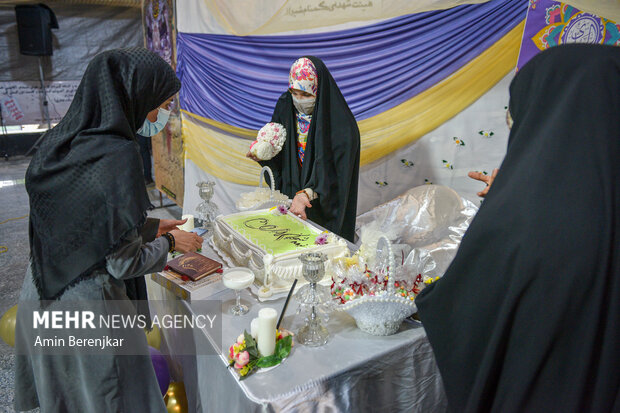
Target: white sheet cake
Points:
(268, 238)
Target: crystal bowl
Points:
(379, 315)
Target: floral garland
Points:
(245, 358)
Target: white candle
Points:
(189, 225)
(254, 328)
(267, 319)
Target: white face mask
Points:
(305, 106)
(153, 128)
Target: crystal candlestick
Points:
(313, 333)
(207, 211)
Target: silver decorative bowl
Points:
(381, 314)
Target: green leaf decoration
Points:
(250, 345)
(283, 347)
(268, 361)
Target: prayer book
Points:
(193, 266)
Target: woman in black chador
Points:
(318, 166)
(527, 316)
(89, 234)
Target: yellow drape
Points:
(219, 149)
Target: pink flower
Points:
(240, 339)
(231, 353)
(282, 209)
(243, 358)
(321, 239)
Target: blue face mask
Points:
(153, 128)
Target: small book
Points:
(193, 266)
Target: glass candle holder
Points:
(313, 333)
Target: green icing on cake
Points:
(276, 234)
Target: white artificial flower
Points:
(269, 141)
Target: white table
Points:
(354, 372)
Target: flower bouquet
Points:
(245, 358)
(269, 141)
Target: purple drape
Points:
(237, 80)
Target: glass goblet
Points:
(238, 278)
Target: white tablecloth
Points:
(354, 372)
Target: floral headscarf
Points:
(303, 76)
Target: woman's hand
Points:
(167, 225)
(186, 241)
(299, 205)
(484, 178)
(252, 156)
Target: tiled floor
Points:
(13, 261)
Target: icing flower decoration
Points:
(486, 133)
(269, 141)
(321, 239)
(459, 141)
(279, 210)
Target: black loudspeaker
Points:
(34, 24)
